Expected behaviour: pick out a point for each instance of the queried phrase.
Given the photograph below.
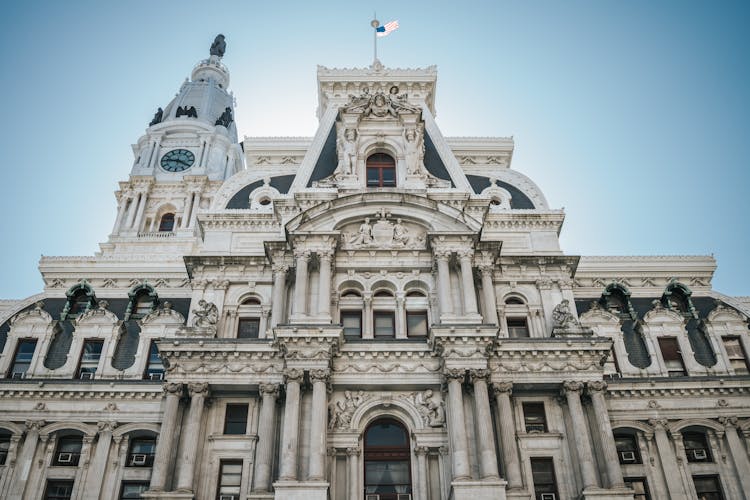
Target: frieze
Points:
(380, 232)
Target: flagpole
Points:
(375, 23)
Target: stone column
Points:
(444, 282)
(188, 210)
(196, 206)
(141, 208)
(503, 391)
(488, 289)
(421, 453)
(190, 436)
(456, 425)
(131, 210)
(668, 459)
(279, 287)
(368, 330)
(25, 458)
(319, 379)
(300, 286)
(289, 445)
(467, 283)
(572, 391)
(324, 287)
(263, 330)
(155, 153)
(739, 455)
(266, 437)
(609, 450)
(164, 446)
(97, 468)
(485, 433)
(120, 212)
(353, 482)
(400, 316)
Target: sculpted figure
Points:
(562, 317)
(398, 102)
(157, 117)
(207, 315)
(226, 118)
(348, 151)
(364, 234)
(400, 233)
(219, 46)
(341, 412)
(412, 151)
(433, 406)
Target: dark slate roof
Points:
(518, 199)
(241, 198)
(124, 356)
(4, 334)
(432, 161)
(328, 159)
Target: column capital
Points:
(658, 423)
(421, 450)
(442, 253)
(597, 386)
(34, 425)
(324, 253)
(486, 269)
(455, 374)
(199, 389)
(270, 389)
(503, 388)
(331, 451)
(302, 253)
(729, 422)
(174, 388)
(293, 375)
(353, 451)
(106, 426)
(479, 374)
(280, 268)
(465, 253)
(570, 386)
(320, 375)
(443, 450)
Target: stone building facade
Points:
(377, 312)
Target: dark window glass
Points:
(696, 447)
(22, 359)
(381, 171)
(154, 365)
(639, 486)
(248, 328)
(4, 447)
(230, 479)
(534, 418)
(58, 490)
(383, 293)
(387, 460)
(736, 355)
(79, 303)
(166, 223)
(385, 323)
(235, 419)
(144, 304)
(670, 352)
(415, 293)
(514, 301)
(627, 449)
(517, 328)
(352, 323)
(416, 323)
(68, 451)
(251, 301)
(141, 452)
(543, 475)
(351, 293)
(92, 351)
(708, 487)
(133, 489)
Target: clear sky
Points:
(633, 115)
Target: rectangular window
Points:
(68, 451)
(248, 328)
(4, 447)
(22, 359)
(639, 487)
(58, 490)
(416, 323)
(230, 478)
(141, 452)
(670, 352)
(385, 323)
(352, 323)
(235, 419)
(627, 449)
(90, 355)
(736, 354)
(534, 418)
(696, 447)
(132, 490)
(517, 328)
(708, 487)
(154, 365)
(543, 475)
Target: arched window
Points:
(142, 300)
(616, 299)
(514, 301)
(381, 171)
(80, 299)
(387, 459)
(166, 223)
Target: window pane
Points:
(416, 323)
(373, 177)
(389, 176)
(235, 421)
(58, 490)
(24, 355)
(230, 477)
(708, 488)
(385, 434)
(517, 328)
(639, 486)
(133, 490)
(4, 447)
(543, 476)
(352, 323)
(534, 417)
(249, 328)
(92, 350)
(384, 324)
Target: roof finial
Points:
(375, 23)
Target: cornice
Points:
(65, 390)
(525, 220)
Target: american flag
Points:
(387, 28)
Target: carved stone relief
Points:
(383, 233)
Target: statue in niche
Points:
(226, 118)
(219, 46)
(347, 149)
(207, 315)
(157, 117)
(364, 235)
(414, 145)
(562, 317)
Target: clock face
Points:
(177, 160)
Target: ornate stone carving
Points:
(429, 405)
(106, 426)
(479, 374)
(596, 386)
(729, 421)
(353, 451)
(341, 411)
(206, 316)
(565, 323)
(455, 374)
(199, 389)
(293, 375)
(572, 386)
(379, 104)
(34, 425)
(173, 388)
(503, 387)
(421, 450)
(272, 389)
(384, 234)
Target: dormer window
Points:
(381, 171)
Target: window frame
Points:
(646, 495)
(697, 436)
(164, 220)
(81, 361)
(372, 164)
(248, 319)
(717, 481)
(234, 420)
(517, 328)
(75, 455)
(537, 484)
(131, 483)
(351, 313)
(149, 457)
(668, 357)
(730, 358)
(219, 485)
(528, 416)
(383, 313)
(387, 453)
(417, 313)
(70, 483)
(152, 367)
(5, 440)
(14, 362)
(635, 449)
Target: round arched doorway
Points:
(387, 460)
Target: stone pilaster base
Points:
(607, 494)
(301, 490)
(169, 495)
(478, 490)
(517, 494)
(265, 495)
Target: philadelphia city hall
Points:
(377, 312)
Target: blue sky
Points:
(631, 115)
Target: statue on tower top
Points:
(219, 46)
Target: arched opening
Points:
(166, 224)
(381, 170)
(387, 459)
